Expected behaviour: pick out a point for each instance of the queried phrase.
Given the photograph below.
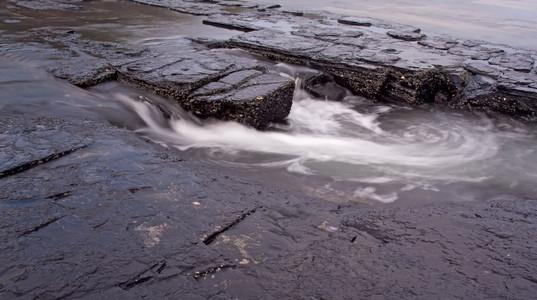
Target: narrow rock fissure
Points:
(34, 163)
(209, 239)
(41, 226)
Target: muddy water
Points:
(355, 150)
(510, 22)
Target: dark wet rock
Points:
(107, 214)
(226, 88)
(370, 58)
(297, 13)
(499, 231)
(406, 35)
(241, 26)
(357, 21)
(25, 148)
(323, 86)
(257, 101)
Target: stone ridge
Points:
(386, 62)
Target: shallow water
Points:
(354, 150)
(510, 22)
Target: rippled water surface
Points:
(354, 150)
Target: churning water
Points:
(353, 150)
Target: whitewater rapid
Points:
(373, 151)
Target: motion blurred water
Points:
(354, 150)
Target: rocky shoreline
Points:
(90, 210)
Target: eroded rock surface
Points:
(386, 62)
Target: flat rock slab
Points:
(212, 83)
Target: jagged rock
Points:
(323, 86)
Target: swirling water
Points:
(353, 150)
(356, 149)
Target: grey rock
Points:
(224, 23)
(516, 61)
(406, 35)
(439, 43)
(213, 84)
(128, 219)
(483, 68)
(357, 21)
